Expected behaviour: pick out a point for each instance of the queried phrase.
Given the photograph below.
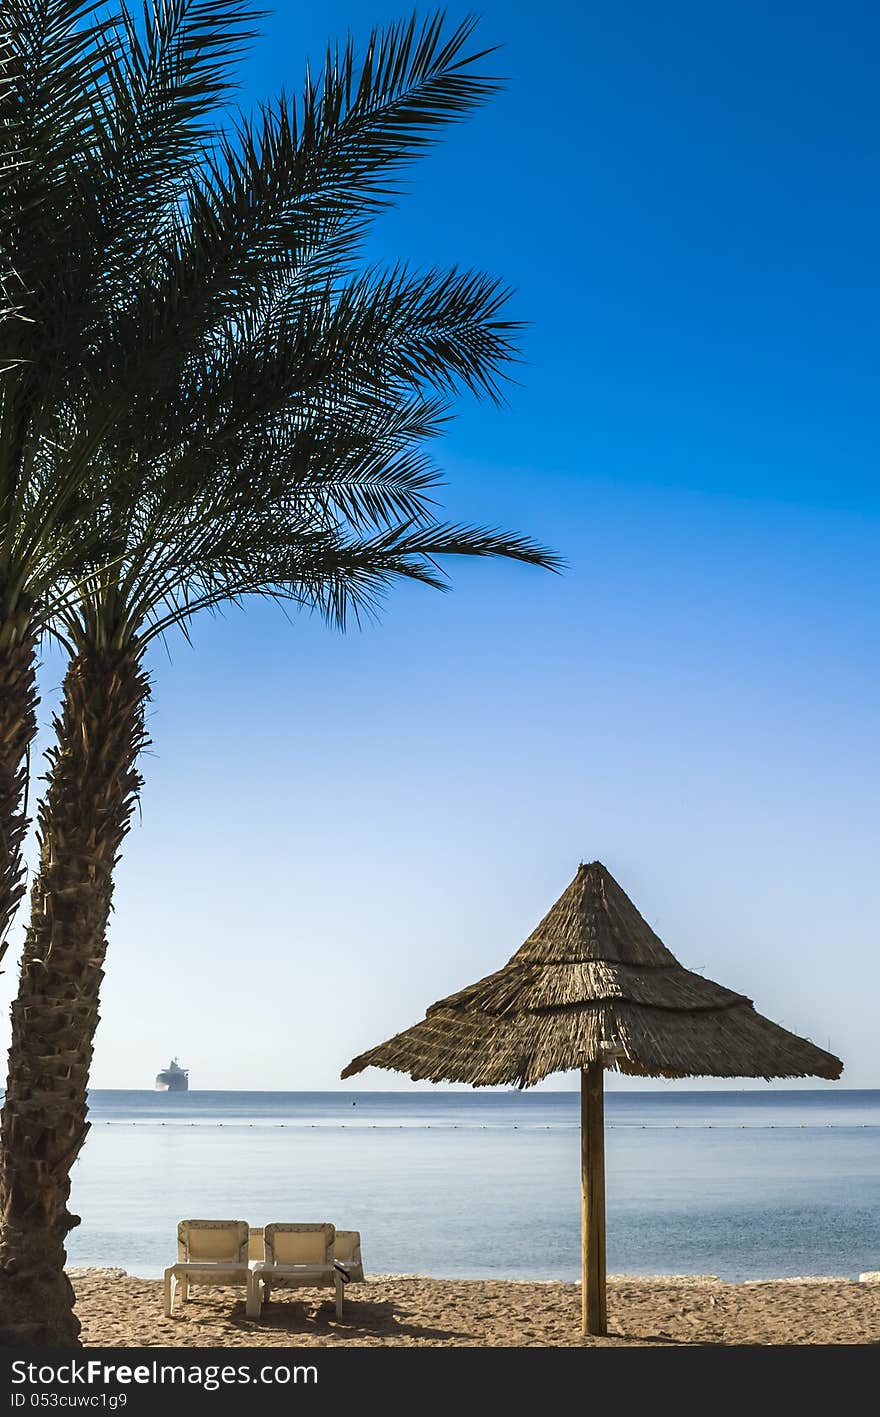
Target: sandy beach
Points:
(399, 1311)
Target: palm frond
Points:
(165, 78)
(285, 196)
(342, 577)
(225, 387)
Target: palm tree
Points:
(251, 418)
(43, 77)
(96, 125)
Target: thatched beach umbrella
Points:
(594, 987)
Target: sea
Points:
(742, 1185)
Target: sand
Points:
(398, 1311)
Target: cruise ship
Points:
(174, 1078)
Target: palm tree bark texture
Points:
(93, 785)
(18, 725)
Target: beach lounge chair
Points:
(347, 1255)
(346, 1252)
(208, 1252)
(297, 1257)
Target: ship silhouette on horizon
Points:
(174, 1078)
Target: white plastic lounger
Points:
(297, 1257)
(208, 1252)
(347, 1255)
(346, 1252)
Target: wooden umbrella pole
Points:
(593, 1304)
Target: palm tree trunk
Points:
(18, 725)
(93, 787)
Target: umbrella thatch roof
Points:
(593, 982)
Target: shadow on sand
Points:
(377, 1319)
(381, 1319)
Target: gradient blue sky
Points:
(335, 832)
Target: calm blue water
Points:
(742, 1185)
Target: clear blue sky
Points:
(336, 832)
